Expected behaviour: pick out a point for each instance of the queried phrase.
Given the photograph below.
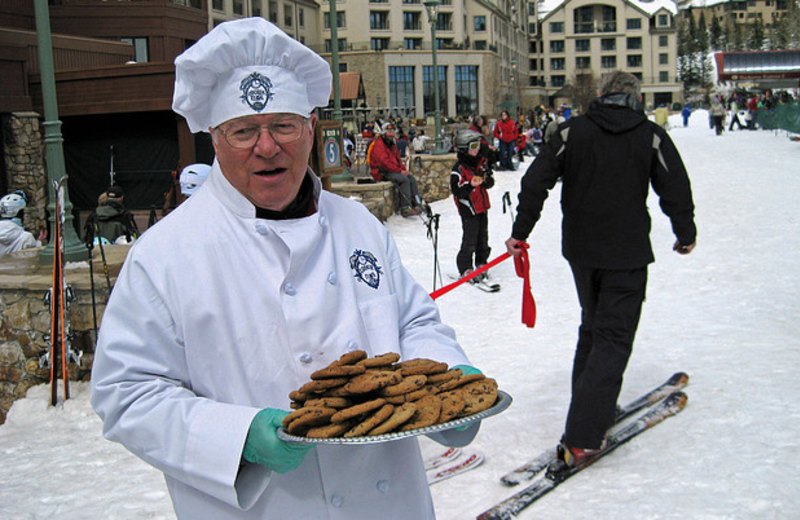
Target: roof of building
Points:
(650, 7)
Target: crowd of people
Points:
(739, 110)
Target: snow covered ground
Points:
(727, 314)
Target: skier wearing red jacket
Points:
(469, 180)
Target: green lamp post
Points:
(432, 6)
(74, 249)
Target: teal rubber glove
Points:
(264, 447)
(467, 370)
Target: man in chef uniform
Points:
(248, 287)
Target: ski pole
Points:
(507, 203)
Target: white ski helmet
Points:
(193, 176)
(12, 204)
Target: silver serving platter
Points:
(503, 402)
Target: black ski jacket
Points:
(608, 159)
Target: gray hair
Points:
(619, 82)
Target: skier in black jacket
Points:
(607, 159)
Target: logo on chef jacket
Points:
(256, 91)
(366, 268)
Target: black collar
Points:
(300, 207)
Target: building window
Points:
(663, 59)
(662, 20)
(635, 61)
(238, 7)
(608, 62)
(663, 76)
(633, 24)
(634, 43)
(663, 41)
(480, 45)
(583, 62)
(141, 52)
(287, 15)
(608, 44)
(412, 43)
(342, 44)
(401, 87)
(479, 23)
(583, 19)
(558, 63)
(556, 27)
(273, 12)
(411, 21)
(428, 104)
(444, 22)
(532, 47)
(533, 64)
(378, 20)
(341, 19)
(582, 45)
(532, 28)
(557, 46)
(466, 79)
(217, 5)
(301, 17)
(379, 44)
(557, 81)
(609, 19)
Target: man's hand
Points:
(682, 249)
(476, 181)
(514, 246)
(264, 447)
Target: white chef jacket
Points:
(217, 314)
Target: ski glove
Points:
(466, 370)
(264, 447)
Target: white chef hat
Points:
(245, 67)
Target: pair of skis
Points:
(546, 471)
(58, 299)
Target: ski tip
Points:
(677, 399)
(679, 379)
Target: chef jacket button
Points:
(337, 501)
(322, 220)
(261, 228)
(332, 278)
(352, 345)
(383, 486)
(306, 358)
(289, 289)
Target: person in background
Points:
(685, 113)
(717, 115)
(111, 220)
(419, 144)
(13, 236)
(506, 131)
(192, 177)
(470, 179)
(735, 116)
(752, 112)
(608, 159)
(251, 285)
(402, 145)
(385, 164)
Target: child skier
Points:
(469, 180)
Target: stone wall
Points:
(23, 149)
(381, 198)
(25, 319)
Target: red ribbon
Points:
(522, 266)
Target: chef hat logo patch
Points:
(256, 91)
(366, 268)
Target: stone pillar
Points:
(23, 150)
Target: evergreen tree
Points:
(717, 35)
(702, 46)
(755, 36)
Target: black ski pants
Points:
(474, 242)
(611, 304)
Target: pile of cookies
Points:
(359, 396)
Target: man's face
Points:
(268, 174)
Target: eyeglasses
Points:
(245, 135)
